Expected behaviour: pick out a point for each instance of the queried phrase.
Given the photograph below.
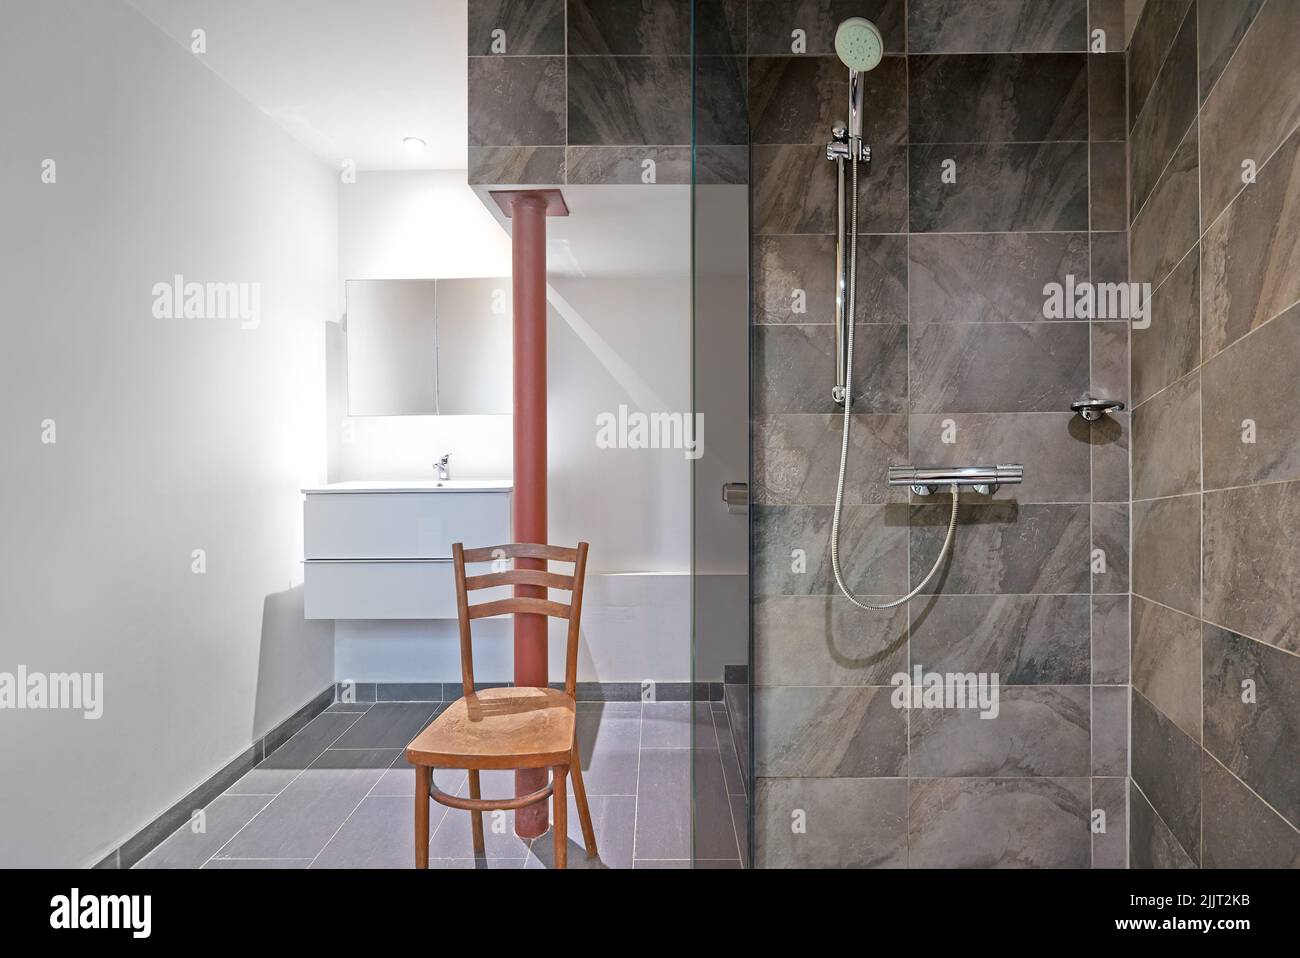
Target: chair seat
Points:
(499, 728)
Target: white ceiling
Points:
(346, 78)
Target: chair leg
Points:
(561, 826)
(422, 773)
(580, 796)
(476, 818)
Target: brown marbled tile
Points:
(1251, 255)
(1110, 730)
(794, 369)
(1108, 438)
(1169, 224)
(1167, 662)
(1108, 15)
(1110, 361)
(531, 27)
(1110, 846)
(996, 26)
(1026, 639)
(999, 822)
(1110, 639)
(1003, 548)
(1254, 106)
(1166, 765)
(629, 165)
(824, 640)
(1110, 536)
(1151, 843)
(848, 823)
(1221, 25)
(873, 549)
(989, 277)
(998, 367)
(1000, 187)
(1168, 112)
(1254, 732)
(1252, 562)
(847, 732)
(516, 101)
(1239, 830)
(534, 165)
(1169, 347)
(719, 101)
(628, 28)
(997, 98)
(721, 164)
(1108, 182)
(721, 26)
(796, 458)
(1106, 92)
(1155, 33)
(1052, 451)
(795, 190)
(629, 101)
(1268, 360)
(1166, 561)
(796, 99)
(1167, 441)
(1109, 257)
(797, 270)
(771, 23)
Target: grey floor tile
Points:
(289, 863)
(388, 725)
(349, 707)
(714, 834)
(482, 863)
(663, 821)
(454, 839)
(398, 781)
(663, 863)
(378, 834)
(608, 746)
(612, 816)
(283, 765)
(222, 818)
(666, 725)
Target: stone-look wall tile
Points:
(1252, 562)
(516, 101)
(1252, 254)
(996, 26)
(997, 98)
(1038, 731)
(1155, 34)
(796, 458)
(629, 101)
(628, 28)
(1110, 536)
(1169, 347)
(1000, 187)
(828, 733)
(1109, 438)
(624, 164)
(1254, 106)
(1167, 663)
(1166, 561)
(795, 190)
(1222, 24)
(1109, 257)
(719, 104)
(1106, 92)
(1268, 360)
(1046, 444)
(1169, 224)
(541, 165)
(798, 269)
(1110, 847)
(721, 26)
(1108, 202)
(998, 367)
(1257, 740)
(1166, 765)
(873, 549)
(1026, 639)
(999, 823)
(796, 99)
(531, 27)
(1110, 639)
(1239, 830)
(1110, 361)
(1108, 16)
(1003, 548)
(1151, 843)
(797, 368)
(989, 277)
(719, 163)
(1167, 441)
(1168, 112)
(825, 640)
(1110, 730)
(850, 823)
(771, 23)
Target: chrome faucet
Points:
(441, 465)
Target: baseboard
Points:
(586, 692)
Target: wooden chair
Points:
(508, 728)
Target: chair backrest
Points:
(531, 579)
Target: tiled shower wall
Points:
(955, 362)
(1214, 103)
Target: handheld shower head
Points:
(858, 44)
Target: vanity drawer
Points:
(402, 525)
(371, 589)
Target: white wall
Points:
(172, 434)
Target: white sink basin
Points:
(414, 485)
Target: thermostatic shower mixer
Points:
(926, 481)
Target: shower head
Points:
(858, 44)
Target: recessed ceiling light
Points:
(413, 144)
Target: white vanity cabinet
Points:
(376, 550)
